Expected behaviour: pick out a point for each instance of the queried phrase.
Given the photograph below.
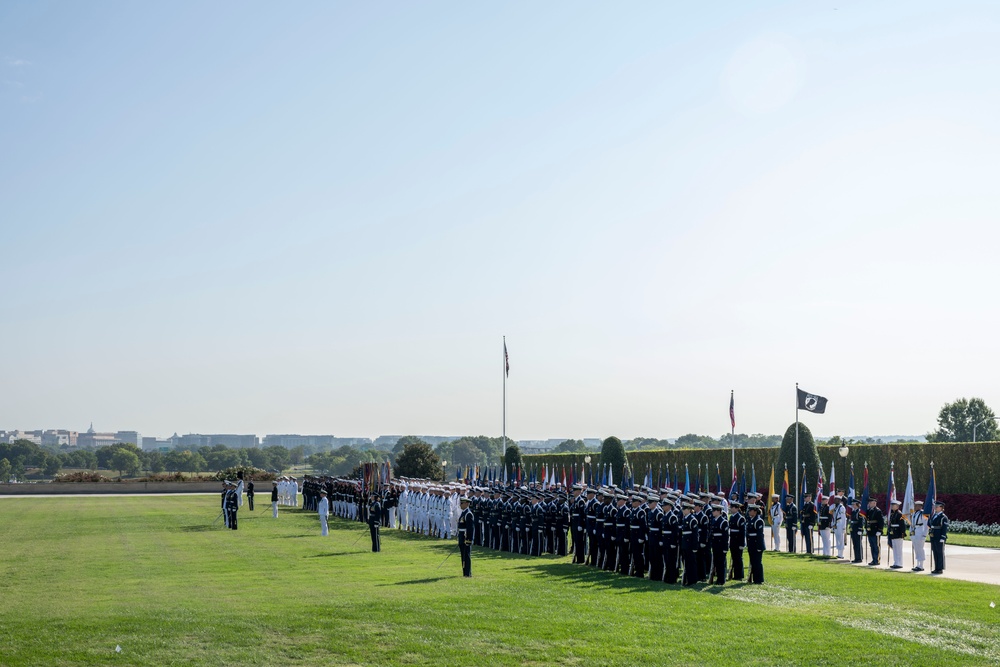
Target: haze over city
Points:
(328, 225)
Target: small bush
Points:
(82, 476)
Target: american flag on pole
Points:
(732, 410)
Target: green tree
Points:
(466, 453)
(570, 447)
(512, 457)
(17, 469)
(125, 461)
(153, 462)
(807, 455)
(297, 454)
(278, 457)
(5, 469)
(418, 460)
(956, 421)
(613, 454)
(694, 441)
(52, 466)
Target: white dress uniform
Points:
(323, 507)
(777, 516)
(239, 493)
(918, 538)
(839, 527)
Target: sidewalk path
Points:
(977, 564)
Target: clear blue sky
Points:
(321, 217)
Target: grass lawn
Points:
(82, 575)
(991, 541)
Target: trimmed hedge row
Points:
(962, 467)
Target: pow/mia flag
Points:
(811, 402)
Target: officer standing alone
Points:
(374, 522)
(466, 524)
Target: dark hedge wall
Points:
(962, 467)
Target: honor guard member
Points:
(839, 522)
(374, 522)
(250, 493)
(323, 508)
(938, 527)
(704, 516)
(654, 545)
(617, 533)
(777, 518)
(274, 499)
(616, 551)
(896, 534)
(537, 525)
(876, 522)
(562, 523)
(590, 509)
(222, 503)
(689, 544)
(232, 505)
(857, 530)
(918, 535)
(791, 519)
(755, 544)
(670, 530)
(466, 524)
(578, 524)
(637, 537)
(823, 518)
(720, 544)
(737, 539)
(807, 519)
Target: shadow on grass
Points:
(200, 528)
(332, 554)
(428, 580)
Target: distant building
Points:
(133, 437)
(59, 437)
(193, 440)
(293, 440)
(94, 439)
(157, 445)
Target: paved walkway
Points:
(77, 496)
(977, 564)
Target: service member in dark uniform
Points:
(791, 520)
(689, 545)
(896, 534)
(250, 494)
(578, 524)
(720, 544)
(823, 518)
(876, 523)
(654, 545)
(857, 530)
(938, 527)
(737, 540)
(807, 519)
(232, 504)
(755, 544)
(466, 526)
(590, 510)
(374, 522)
(637, 533)
(670, 529)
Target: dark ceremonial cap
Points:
(939, 503)
(856, 501)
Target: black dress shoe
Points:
(918, 569)
(937, 571)
(896, 567)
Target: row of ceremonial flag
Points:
(375, 476)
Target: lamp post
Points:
(843, 451)
(975, 426)
(444, 471)
(586, 462)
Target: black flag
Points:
(811, 402)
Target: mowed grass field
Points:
(82, 575)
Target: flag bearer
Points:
(919, 535)
(897, 531)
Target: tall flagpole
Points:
(503, 369)
(732, 422)
(797, 437)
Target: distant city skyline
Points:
(325, 217)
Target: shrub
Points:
(82, 476)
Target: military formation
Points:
(660, 534)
